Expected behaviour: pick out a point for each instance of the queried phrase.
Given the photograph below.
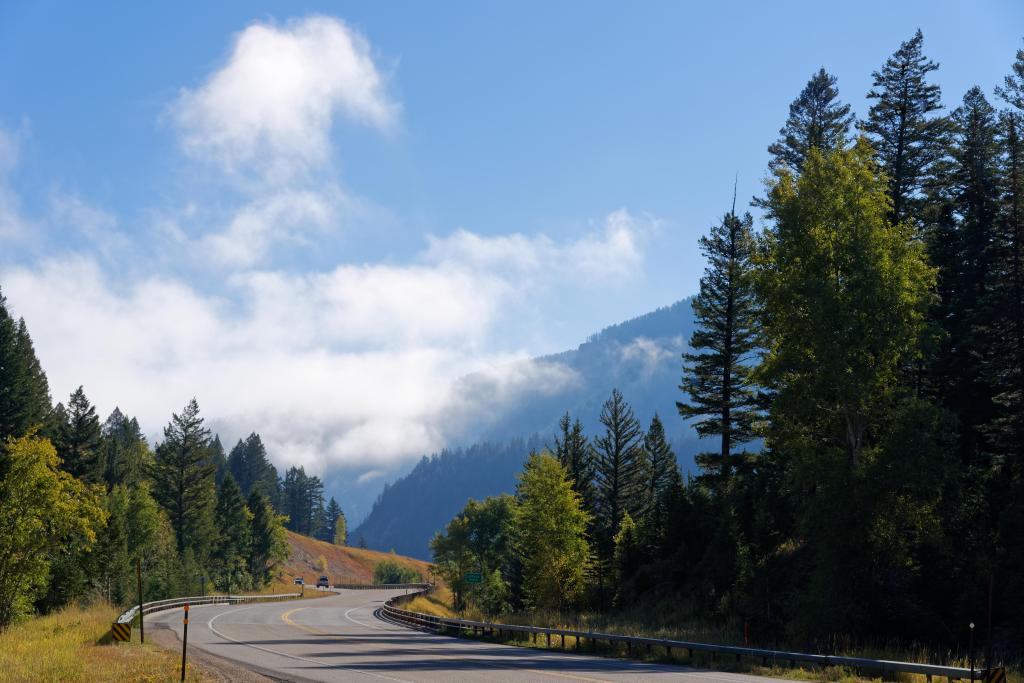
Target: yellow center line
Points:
(286, 618)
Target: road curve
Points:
(339, 638)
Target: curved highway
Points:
(340, 638)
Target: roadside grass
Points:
(434, 603)
(74, 645)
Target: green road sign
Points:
(474, 577)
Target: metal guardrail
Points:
(157, 605)
(457, 626)
(380, 586)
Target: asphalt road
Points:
(339, 638)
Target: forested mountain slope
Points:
(640, 357)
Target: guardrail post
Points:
(549, 639)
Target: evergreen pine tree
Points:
(79, 443)
(1006, 366)
(968, 318)
(331, 514)
(219, 460)
(24, 392)
(619, 479)
(126, 454)
(907, 139)
(249, 465)
(269, 544)
(661, 472)
(576, 456)
(230, 556)
(817, 119)
(183, 478)
(34, 392)
(718, 374)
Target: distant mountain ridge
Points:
(641, 357)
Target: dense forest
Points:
(858, 365)
(82, 502)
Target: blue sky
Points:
(313, 216)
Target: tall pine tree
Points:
(619, 477)
(183, 479)
(79, 443)
(907, 136)
(718, 375)
(24, 391)
(574, 453)
(231, 553)
(817, 119)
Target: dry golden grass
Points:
(73, 645)
(344, 564)
(434, 604)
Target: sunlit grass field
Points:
(74, 645)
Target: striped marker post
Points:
(121, 632)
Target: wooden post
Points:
(138, 575)
(184, 645)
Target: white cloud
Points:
(270, 108)
(354, 367)
(650, 353)
(69, 212)
(286, 216)
(612, 252)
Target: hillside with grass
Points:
(344, 564)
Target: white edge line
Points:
(210, 626)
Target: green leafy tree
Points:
(845, 294)
(340, 530)
(550, 535)
(183, 479)
(453, 558)
(718, 374)
(389, 571)
(41, 508)
(906, 135)
(817, 120)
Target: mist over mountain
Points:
(640, 357)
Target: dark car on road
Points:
(322, 582)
